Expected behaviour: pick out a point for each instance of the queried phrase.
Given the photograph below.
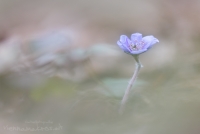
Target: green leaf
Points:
(116, 87)
(54, 87)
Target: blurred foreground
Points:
(60, 67)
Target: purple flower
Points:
(136, 45)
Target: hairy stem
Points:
(133, 79)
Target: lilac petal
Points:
(136, 37)
(123, 47)
(123, 39)
(138, 52)
(149, 41)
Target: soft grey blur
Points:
(62, 72)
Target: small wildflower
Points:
(136, 45)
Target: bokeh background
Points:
(60, 67)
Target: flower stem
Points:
(133, 79)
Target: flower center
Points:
(133, 47)
(136, 45)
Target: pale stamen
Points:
(137, 45)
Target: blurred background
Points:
(62, 72)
